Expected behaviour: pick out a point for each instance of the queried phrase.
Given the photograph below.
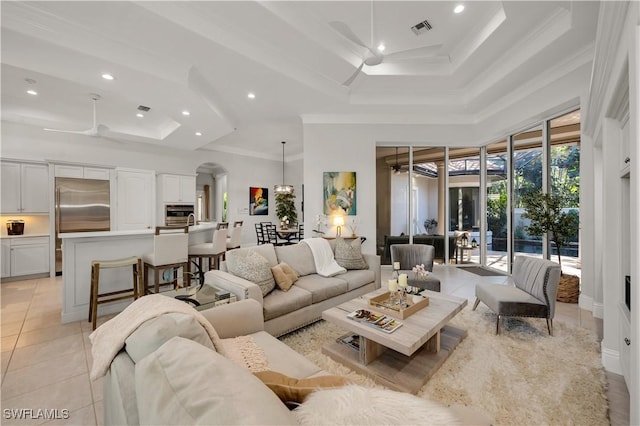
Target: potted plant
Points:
(286, 208)
(547, 217)
(430, 224)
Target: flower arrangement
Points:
(421, 273)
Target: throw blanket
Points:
(109, 338)
(326, 265)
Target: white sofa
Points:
(169, 373)
(308, 297)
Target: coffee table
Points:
(405, 359)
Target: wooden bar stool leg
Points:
(156, 280)
(94, 299)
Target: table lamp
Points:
(338, 221)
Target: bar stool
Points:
(170, 251)
(94, 298)
(214, 251)
(235, 239)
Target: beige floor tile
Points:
(13, 316)
(5, 357)
(96, 389)
(46, 334)
(52, 371)
(99, 407)
(85, 416)
(9, 342)
(38, 311)
(10, 306)
(71, 394)
(10, 328)
(41, 352)
(35, 322)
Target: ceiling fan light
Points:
(381, 47)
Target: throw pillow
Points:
(290, 389)
(349, 255)
(359, 405)
(184, 383)
(252, 267)
(284, 275)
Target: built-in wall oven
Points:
(178, 214)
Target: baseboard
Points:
(611, 360)
(585, 302)
(598, 310)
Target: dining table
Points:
(287, 233)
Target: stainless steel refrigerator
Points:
(82, 205)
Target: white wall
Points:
(22, 142)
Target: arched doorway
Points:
(211, 190)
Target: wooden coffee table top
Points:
(416, 330)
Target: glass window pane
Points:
(464, 203)
(497, 193)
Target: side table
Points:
(204, 298)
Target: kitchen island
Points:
(79, 249)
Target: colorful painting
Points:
(339, 193)
(258, 201)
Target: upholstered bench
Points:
(530, 291)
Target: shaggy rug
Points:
(521, 377)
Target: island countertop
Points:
(79, 249)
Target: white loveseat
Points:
(303, 303)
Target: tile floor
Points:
(45, 364)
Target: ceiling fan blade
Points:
(418, 52)
(346, 32)
(353, 76)
(77, 132)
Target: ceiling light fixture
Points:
(198, 134)
(381, 47)
(185, 112)
(251, 95)
(459, 8)
(396, 168)
(108, 76)
(283, 189)
(32, 92)
(140, 115)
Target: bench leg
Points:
(475, 305)
(498, 325)
(550, 326)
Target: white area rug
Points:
(521, 377)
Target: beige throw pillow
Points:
(252, 267)
(349, 255)
(284, 275)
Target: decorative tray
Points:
(383, 303)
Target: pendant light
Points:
(396, 168)
(283, 189)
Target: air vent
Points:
(143, 108)
(421, 27)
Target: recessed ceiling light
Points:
(32, 92)
(198, 134)
(140, 115)
(381, 47)
(459, 8)
(108, 76)
(251, 95)
(185, 112)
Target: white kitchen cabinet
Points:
(135, 199)
(25, 188)
(81, 172)
(177, 189)
(25, 256)
(6, 258)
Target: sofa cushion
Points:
(280, 302)
(253, 267)
(322, 288)
(157, 331)
(507, 300)
(185, 383)
(370, 406)
(349, 254)
(299, 257)
(290, 389)
(358, 278)
(284, 275)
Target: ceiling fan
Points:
(375, 57)
(95, 130)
